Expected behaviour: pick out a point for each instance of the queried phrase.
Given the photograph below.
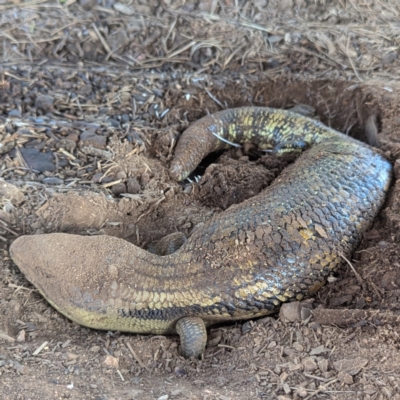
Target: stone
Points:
(14, 113)
(351, 366)
(290, 312)
(11, 193)
(309, 364)
(133, 186)
(38, 160)
(118, 188)
(52, 180)
(89, 138)
(44, 102)
(111, 361)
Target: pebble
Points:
(388, 58)
(21, 369)
(290, 312)
(74, 137)
(111, 361)
(118, 188)
(38, 160)
(301, 392)
(180, 371)
(21, 336)
(87, 4)
(298, 347)
(89, 138)
(14, 113)
(121, 175)
(44, 102)
(11, 192)
(309, 364)
(345, 378)
(133, 186)
(305, 313)
(351, 366)
(52, 180)
(319, 350)
(113, 122)
(125, 118)
(323, 364)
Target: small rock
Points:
(286, 388)
(71, 356)
(89, 138)
(118, 41)
(289, 351)
(118, 188)
(114, 122)
(340, 300)
(345, 378)
(180, 372)
(323, 364)
(298, 347)
(74, 137)
(21, 369)
(309, 364)
(290, 312)
(87, 4)
(370, 389)
(305, 313)
(44, 102)
(52, 180)
(133, 186)
(124, 9)
(37, 160)
(111, 361)
(21, 336)
(188, 189)
(301, 392)
(328, 374)
(96, 177)
(319, 350)
(11, 193)
(14, 113)
(271, 345)
(388, 58)
(121, 175)
(351, 366)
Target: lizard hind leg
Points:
(193, 334)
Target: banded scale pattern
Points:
(277, 246)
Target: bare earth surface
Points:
(93, 97)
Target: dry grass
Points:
(317, 37)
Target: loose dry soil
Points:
(93, 97)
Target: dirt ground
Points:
(93, 97)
